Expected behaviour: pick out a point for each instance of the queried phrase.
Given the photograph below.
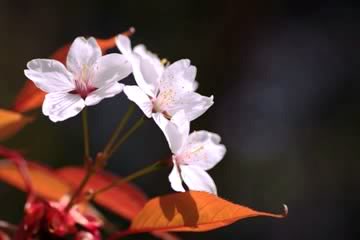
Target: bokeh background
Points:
(285, 76)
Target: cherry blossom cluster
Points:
(43, 218)
(164, 92)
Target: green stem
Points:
(90, 171)
(126, 136)
(88, 163)
(149, 169)
(119, 128)
(86, 135)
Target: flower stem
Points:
(86, 135)
(126, 136)
(90, 171)
(149, 169)
(119, 128)
(88, 164)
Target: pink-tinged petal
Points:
(107, 91)
(203, 149)
(176, 130)
(109, 69)
(179, 76)
(192, 103)
(197, 179)
(83, 52)
(123, 43)
(61, 106)
(135, 94)
(175, 179)
(49, 75)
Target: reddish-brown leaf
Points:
(190, 211)
(4, 236)
(11, 122)
(126, 200)
(44, 182)
(30, 97)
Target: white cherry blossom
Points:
(162, 91)
(87, 78)
(193, 155)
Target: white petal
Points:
(197, 179)
(176, 130)
(182, 124)
(179, 76)
(107, 91)
(109, 69)
(61, 106)
(203, 149)
(146, 74)
(124, 44)
(82, 52)
(161, 121)
(145, 67)
(50, 75)
(143, 52)
(135, 94)
(175, 179)
(150, 65)
(192, 103)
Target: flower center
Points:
(162, 102)
(189, 156)
(83, 85)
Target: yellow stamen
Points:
(164, 61)
(199, 148)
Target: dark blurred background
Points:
(285, 76)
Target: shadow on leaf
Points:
(183, 204)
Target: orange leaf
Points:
(11, 122)
(191, 211)
(45, 182)
(30, 97)
(126, 200)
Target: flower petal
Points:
(176, 130)
(197, 179)
(109, 69)
(204, 149)
(192, 103)
(179, 76)
(175, 179)
(82, 52)
(124, 44)
(107, 91)
(147, 70)
(61, 106)
(135, 94)
(49, 75)
(144, 53)
(160, 120)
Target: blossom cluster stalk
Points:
(142, 172)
